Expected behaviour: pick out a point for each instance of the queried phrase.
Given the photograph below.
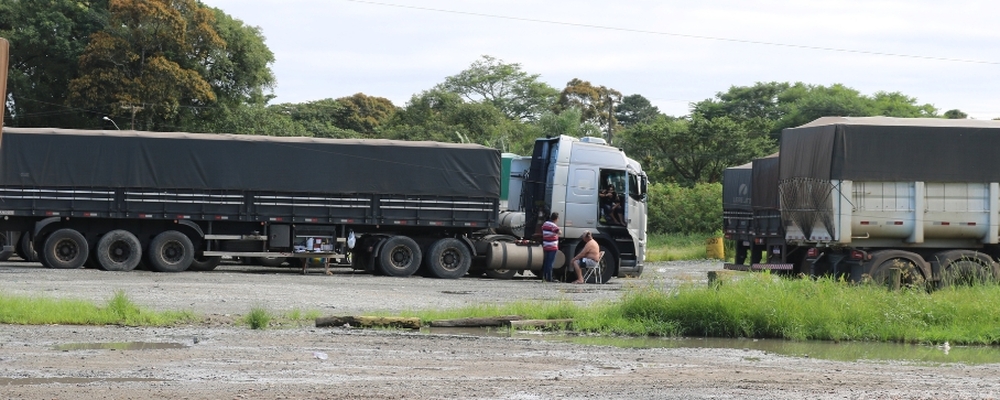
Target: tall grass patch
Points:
(762, 305)
(677, 246)
(119, 310)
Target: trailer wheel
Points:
(4, 254)
(26, 248)
(170, 251)
(399, 256)
(911, 271)
(65, 249)
(741, 253)
(501, 273)
(118, 250)
(448, 259)
(272, 262)
(203, 263)
(968, 268)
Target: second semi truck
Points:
(862, 195)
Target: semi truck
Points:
(860, 196)
(172, 202)
(752, 216)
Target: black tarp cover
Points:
(48, 157)
(765, 183)
(737, 187)
(892, 149)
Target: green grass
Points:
(258, 318)
(762, 305)
(119, 310)
(765, 306)
(676, 246)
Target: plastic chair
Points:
(594, 271)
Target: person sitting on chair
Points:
(589, 255)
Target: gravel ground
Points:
(216, 360)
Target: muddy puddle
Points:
(839, 351)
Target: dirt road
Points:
(213, 361)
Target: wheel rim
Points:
(450, 260)
(173, 252)
(400, 257)
(120, 251)
(67, 250)
(909, 274)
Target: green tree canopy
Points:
(955, 114)
(596, 104)
(695, 150)
(47, 38)
(147, 61)
(518, 95)
(362, 113)
(634, 110)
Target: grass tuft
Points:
(258, 318)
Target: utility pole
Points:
(134, 110)
(611, 117)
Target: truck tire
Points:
(203, 263)
(269, 261)
(965, 267)
(170, 251)
(910, 265)
(448, 259)
(26, 248)
(399, 256)
(741, 253)
(118, 250)
(65, 249)
(501, 273)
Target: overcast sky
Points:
(946, 54)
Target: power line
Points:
(680, 35)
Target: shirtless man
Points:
(589, 255)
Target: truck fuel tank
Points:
(512, 223)
(508, 255)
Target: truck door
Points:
(635, 211)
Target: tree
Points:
(898, 105)
(740, 103)
(239, 74)
(316, 117)
(955, 114)
(694, 150)
(46, 40)
(147, 61)
(805, 103)
(634, 110)
(596, 104)
(517, 94)
(443, 116)
(362, 113)
(569, 123)
(256, 119)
